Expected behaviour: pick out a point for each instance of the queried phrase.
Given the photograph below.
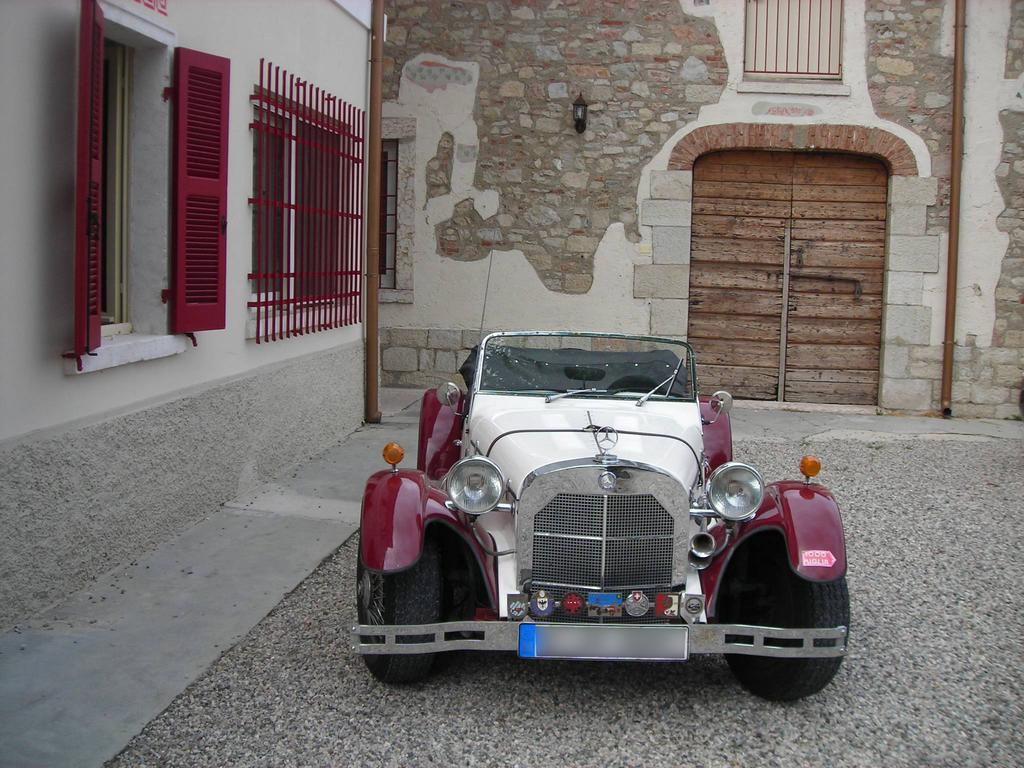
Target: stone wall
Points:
(644, 67)
(1001, 368)
(422, 357)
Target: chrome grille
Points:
(590, 542)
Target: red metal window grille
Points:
(307, 206)
(388, 212)
(794, 38)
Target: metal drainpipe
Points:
(372, 412)
(953, 253)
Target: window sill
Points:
(127, 348)
(795, 87)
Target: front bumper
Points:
(611, 642)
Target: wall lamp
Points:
(579, 114)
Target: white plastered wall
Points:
(38, 41)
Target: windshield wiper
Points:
(560, 395)
(671, 380)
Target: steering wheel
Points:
(633, 382)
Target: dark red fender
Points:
(397, 508)
(717, 436)
(808, 518)
(440, 427)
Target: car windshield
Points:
(587, 365)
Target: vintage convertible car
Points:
(581, 501)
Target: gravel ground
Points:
(933, 678)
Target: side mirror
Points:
(720, 402)
(448, 394)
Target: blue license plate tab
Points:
(604, 642)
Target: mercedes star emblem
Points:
(606, 438)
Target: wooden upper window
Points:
(794, 38)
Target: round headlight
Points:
(735, 491)
(475, 485)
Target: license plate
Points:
(606, 641)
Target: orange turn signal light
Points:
(393, 454)
(810, 466)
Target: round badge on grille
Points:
(607, 481)
(637, 604)
(572, 603)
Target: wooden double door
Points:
(786, 275)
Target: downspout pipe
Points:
(956, 171)
(373, 162)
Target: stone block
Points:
(408, 337)
(581, 244)
(667, 213)
(906, 394)
(1008, 410)
(999, 355)
(437, 339)
(929, 354)
(399, 359)
(671, 245)
(470, 339)
(1007, 375)
(975, 411)
(909, 253)
(512, 89)
(426, 362)
(904, 288)
(669, 317)
(672, 185)
(703, 94)
(661, 281)
(646, 49)
(905, 324)
(913, 190)
(446, 362)
(908, 220)
(895, 361)
(920, 369)
(989, 394)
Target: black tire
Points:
(410, 597)
(783, 599)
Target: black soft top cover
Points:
(521, 368)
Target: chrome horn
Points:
(702, 549)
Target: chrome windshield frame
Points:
(478, 373)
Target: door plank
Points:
(737, 191)
(768, 303)
(753, 383)
(824, 209)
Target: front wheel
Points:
(770, 594)
(412, 596)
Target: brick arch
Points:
(876, 142)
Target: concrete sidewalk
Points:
(79, 681)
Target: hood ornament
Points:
(606, 439)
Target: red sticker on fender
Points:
(817, 558)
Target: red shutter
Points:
(200, 191)
(89, 181)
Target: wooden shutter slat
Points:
(199, 262)
(89, 182)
